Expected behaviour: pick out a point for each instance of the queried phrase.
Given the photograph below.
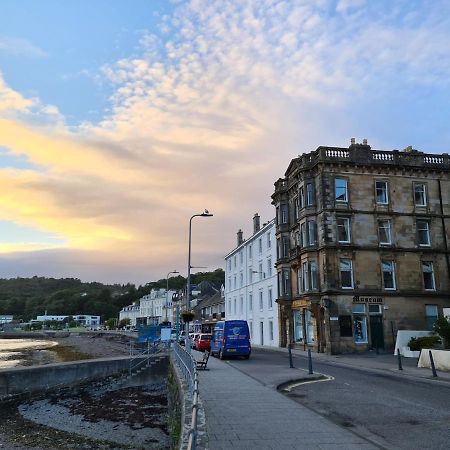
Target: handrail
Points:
(137, 358)
(188, 367)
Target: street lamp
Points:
(206, 213)
(167, 289)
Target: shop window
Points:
(298, 326)
(360, 327)
(345, 326)
(431, 314)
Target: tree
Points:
(124, 322)
(442, 328)
(110, 324)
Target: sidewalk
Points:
(371, 361)
(241, 413)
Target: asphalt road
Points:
(392, 411)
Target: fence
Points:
(140, 353)
(188, 367)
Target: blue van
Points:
(231, 338)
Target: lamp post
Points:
(206, 213)
(167, 290)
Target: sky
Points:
(120, 120)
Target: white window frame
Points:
(314, 276)
(250, 301)
(311, 232)
(269, 297)
(422, 193)
(389, 231)
(269, 267)
(391, 265)
(383, 186)
(431, 270)
(341, 260)
(284, 213)
(425, 230)
(339, 188)
(269, 240)
(309, 194)
(346, 227)
(261, 300)
(305, 276)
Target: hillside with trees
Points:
(26, 298)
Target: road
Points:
(392, 411)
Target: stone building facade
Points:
(363, 240)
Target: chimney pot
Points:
(256, 223)
(352, 141)
(365, 141)
(240, 238)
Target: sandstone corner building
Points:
(362, 246)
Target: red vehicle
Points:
(203, 342)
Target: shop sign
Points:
(358, 299)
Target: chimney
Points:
(364, 141)
(352, 141)
(256, 223)
(240, 238)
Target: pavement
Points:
(245, 413)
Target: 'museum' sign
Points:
(358, 299)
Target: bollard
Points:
(399, 357)
(310, 362)
(433, 368)
(291, 364)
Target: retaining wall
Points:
(18, 381)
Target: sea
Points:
(26, 352)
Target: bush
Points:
(416, 344)
(442, 328)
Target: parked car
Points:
(182, 338)
(231, 338)
(203, 342)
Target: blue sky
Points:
(119, 120)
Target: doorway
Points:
(376, 331)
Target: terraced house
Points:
(362, 246)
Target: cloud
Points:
(208, 114)
(20, 47)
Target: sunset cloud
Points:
(207, 112)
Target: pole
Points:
(188, 286)
(433, 368)
(399, 356)
(310, 362)
(291, 364)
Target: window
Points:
(345, 326)
(241, 257)
(431, 315)
(346, 269)
(261, 301)
(360, 327)
(269, 298)
(234, 260)
(384, 232)
(340, 190)
(309, 194)
(241, 279)
(299, 280)
(235, 305)
(229, 264)
(278, 248)
(381, 192)
(301, 198)
(304, 240)
(241, 305)
(313, 273)
(234, 282)
(271, 330)
(423, 233)
(269, 241)
(250, 251)
(269, 267)
(229, 307)
(251, 329)
(229, 283)
(250, 275)
(305, 277)
(285, 249)
(428, 276)
(261, 274)
(388, 269)
(420, 195)
(250, 301)
(285, 286)
(260, 245)
(312, 240)
(284, 213)
(296, 208)
(343, 229)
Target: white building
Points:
(251, 283)
(6, 318)
(152, 309)
(83, 319)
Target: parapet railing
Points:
(188, 368)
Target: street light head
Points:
(206, 213)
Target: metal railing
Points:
(188, 368)
(140, 354)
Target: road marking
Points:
(294, 385)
